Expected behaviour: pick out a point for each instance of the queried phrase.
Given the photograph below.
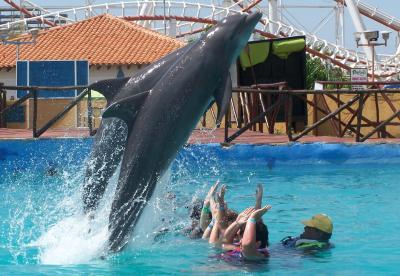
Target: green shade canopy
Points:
(254, 53)
(283, 48)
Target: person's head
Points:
(261, 235)
(319, 228)
(231, 216)
(195, 211)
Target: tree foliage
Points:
(318, 71)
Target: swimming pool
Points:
(43, 231)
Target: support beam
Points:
(339, 26)
(253, 121)
(273, 15)
(380, 126)
(354, 112)
(359, 117)
(316, 107)
(62, 113)
(326, 118)
(359, 25)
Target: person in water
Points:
(254, 242)
(316, 235)
(246, 238)
(212, 210)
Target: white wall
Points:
(8, 78)
(111, 73)
(95, 74)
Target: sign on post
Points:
(359, 75)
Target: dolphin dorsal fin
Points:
(223, 97)
(126, 108)
(109, 88)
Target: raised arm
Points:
(249, 243)
(232, 229)
(220, 220)
(259, 195)
(205, 211)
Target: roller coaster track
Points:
(192, 18)
(28, 14)
(377, 15)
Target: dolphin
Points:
(110, 138)
(160, 119)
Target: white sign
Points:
(359, 75)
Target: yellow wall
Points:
(97, 106)
(369, 112)
(48, 108)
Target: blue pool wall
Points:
(71, 152)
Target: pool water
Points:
(42, 229)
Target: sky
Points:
(305, 18)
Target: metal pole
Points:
(165, 23)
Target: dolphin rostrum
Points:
(161, 113)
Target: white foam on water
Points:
(150, 221)
(76, 239)
(70, 242)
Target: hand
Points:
(259, 192)
(257, 214)
(259, 195)
(221, 195)
(211, 194)
(244, 216)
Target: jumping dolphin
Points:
(161, 118)
(110, 139)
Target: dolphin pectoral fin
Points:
(223, 97)
(109, 88)
(126, 108)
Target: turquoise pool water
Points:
(42, 230)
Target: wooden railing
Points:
(339, 124)
(33, 93)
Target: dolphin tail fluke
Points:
(223, 98)
(126, 108)
(109, 88)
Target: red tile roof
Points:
(102, 40)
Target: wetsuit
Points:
(298, 243)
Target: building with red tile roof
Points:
(102, 40)
(112, 46)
